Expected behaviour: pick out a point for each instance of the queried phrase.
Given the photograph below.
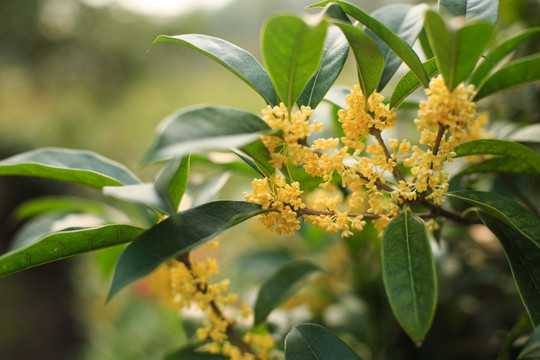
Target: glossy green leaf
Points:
(235, 59)
(172, 182)
(408, 83)
(292, 50)
(205, 127)
(409, 276)
(394, 42)
(280, 286)
(175, 236)
(498, 53)
(143, 194)
(457, 50)
(511, 75)
(39, 226)
(472, 9)
(314, 342)
(260, 156)
(524, 258)
(59, 204)
(504, 209)
(405, 21)
(60, 245)
(515, 158)
(76, 166)
(531, 349)
(529, 133)
(369, 59)
(334, 55)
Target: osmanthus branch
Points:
(377, 134)
(232, 335)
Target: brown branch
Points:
(377, 134)
(308, 211)
(436, 211)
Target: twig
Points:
(377, 134)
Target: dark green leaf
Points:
(64, 244)
(235, 59)
(175, 236)
(532, 347)
(515, 158)
(76, 166)
(280, 286)
(334, 55)
(513, 74)
(408, 83)
(409, 274)
(205, 127)
(292, 51)
(369, 59)
(524, 258)
(472, 9)
(495, 55)
(260, 156)
(171, 184)
(405, 21)
(457, 50)
(504, 209)
(394, 42)
(313, 342)
(424, 43)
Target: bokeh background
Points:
(77, 74)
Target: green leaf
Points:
(64, 244)
(532, 347)
(472, 9)
(524, 258)
(511, 75)
(76, 166)
(409, 274)
(457, 50)
(498, 53)
(529, 133)
(175, 236)
(205, 127)
(143, 194)
(504, 209)
(313, 342)
(515, 158)
(292, 51)
(59, 204)
(235, 59)
(369, 59)
(209, 188)
(334, 55)
(408, 83)
(172, 182)
(405, 21)
(260, 156)
(394, 42)
(280, 286)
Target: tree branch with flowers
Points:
(340, 173)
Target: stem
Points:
(436, 211)
(233, 336)
(377, 134)
(308, 211)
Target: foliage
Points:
(342, 175)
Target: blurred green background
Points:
(77, 74)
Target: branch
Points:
(377, 134)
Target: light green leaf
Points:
(369, 59)
(205, 127)
(334, 55)
(76, 166)
(60, 245)
(292, 50)
(235, 59)
(511, 75)
(498, 53)
(260, 156)
(142, 194)
(175, 236)
(280, 286)
(529, 133)
(59, 204)
(515, 158)
(408, 83)
(472, 9)
(532, 347)
(409, 276)
(524, 258)
(313, 342)
(172, 182)
(504, 209)
(394, 42)
(405, 21)
(457, 49)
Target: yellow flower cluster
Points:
(275, 193)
